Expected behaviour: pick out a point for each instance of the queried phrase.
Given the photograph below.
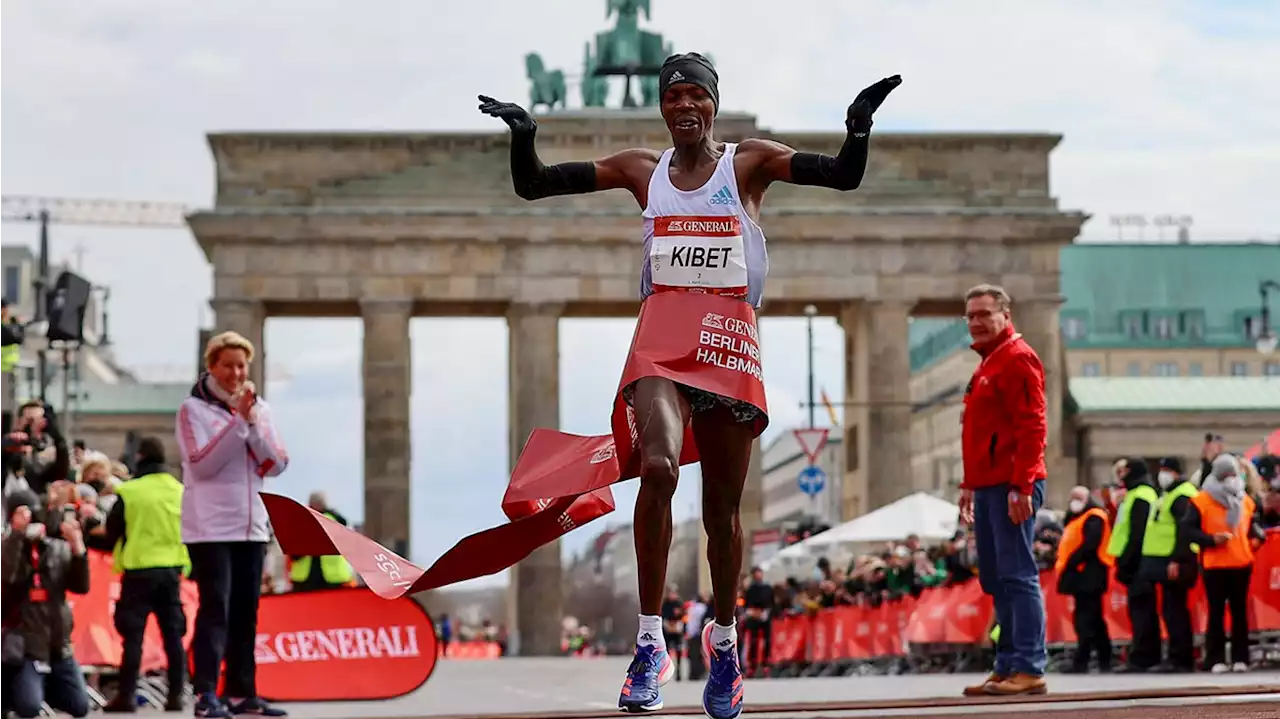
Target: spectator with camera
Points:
(35, 449)
(229, 447)
(41, 559)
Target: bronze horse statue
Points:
(547, 86)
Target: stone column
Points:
(888, 450)
(536, 592)
(387, 381)
(1037, 320)
(248, 318)
(853, 487)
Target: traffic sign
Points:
(811, 441)
(812, 479)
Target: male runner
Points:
(699, 178)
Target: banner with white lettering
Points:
(343, 645)
(561, 481)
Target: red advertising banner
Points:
(961, 614)
(342, 644)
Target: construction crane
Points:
(72, 211)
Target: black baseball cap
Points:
(1172, 463)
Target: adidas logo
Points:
(648, 637)
(724, 643)
(723, 196)
(675, 77)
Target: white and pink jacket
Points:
(224, 462)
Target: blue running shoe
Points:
(649, 672)
(722, 698)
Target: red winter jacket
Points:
(1003, 428)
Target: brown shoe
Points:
(1018, 684)
(979, 690)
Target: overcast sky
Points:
(1166, 107)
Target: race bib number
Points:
(698, 254)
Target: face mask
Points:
(1166, 479)
(1234, 485)
(1076, 506)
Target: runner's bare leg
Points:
(724, 446)
(661, 415)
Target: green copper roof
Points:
(1163, 295)
(1177, 394)
(1141, 296)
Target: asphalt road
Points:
(584, 688)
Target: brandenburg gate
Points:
(391, 226)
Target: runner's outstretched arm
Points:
(533, 180)
(842, 172)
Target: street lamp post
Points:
(41, 283)
(1267, 339)
(810, 312)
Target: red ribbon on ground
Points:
(561, 481)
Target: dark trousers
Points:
(144, 592)
(1092, 635)
(758, 640)
(675, 643)
(1227, 588)
(1144, 650)
(1177, 620)
(61, 686)
(697, 664)
(229, 578)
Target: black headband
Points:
(694, 69)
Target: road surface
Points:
(583, 688)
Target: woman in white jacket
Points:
(228, 447)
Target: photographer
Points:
(27, 448)
(39, 564)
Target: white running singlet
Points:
(701, 240)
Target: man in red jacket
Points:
(1004, 431)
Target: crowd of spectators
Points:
(907, 568)
(61, 501)
(897, 570)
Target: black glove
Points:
(515, 116)
(868, 101)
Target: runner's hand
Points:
(869, 100)
(1172, 571)
(966, 507)
(509, 112)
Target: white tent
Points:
(922, 514)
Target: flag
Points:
(831, 410)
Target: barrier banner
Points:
(472, 650)
(342, 644)
(94, 637)
(339, 644)
(961, 614)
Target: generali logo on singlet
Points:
(698, 254)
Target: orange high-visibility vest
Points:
(1237, 552)
(1073, 537)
